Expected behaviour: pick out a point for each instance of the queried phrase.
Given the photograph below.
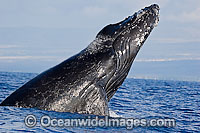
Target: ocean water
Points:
(136, 98)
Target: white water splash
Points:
(113, 114)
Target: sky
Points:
(36, 35)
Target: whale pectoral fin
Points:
(95, 101)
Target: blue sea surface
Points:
(136, 98)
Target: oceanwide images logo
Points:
(128, 123)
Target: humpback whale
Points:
(86, 82)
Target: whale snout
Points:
(155, 9)
(155, 6)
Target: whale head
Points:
(124, 39)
